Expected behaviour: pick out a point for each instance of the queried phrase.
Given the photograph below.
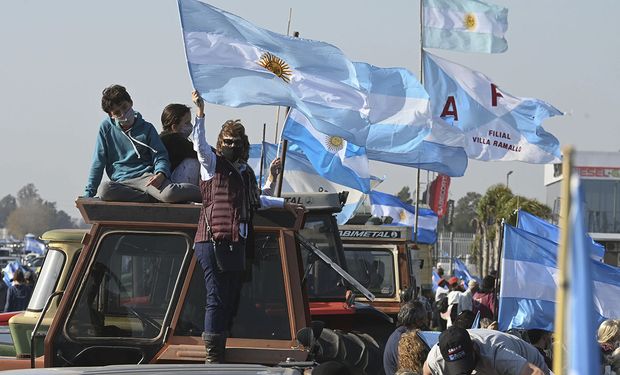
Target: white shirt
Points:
(208, 159)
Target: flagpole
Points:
(288, 31)
(417, 189)
(262, 157)
(560, 311)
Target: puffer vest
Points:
(229, 198)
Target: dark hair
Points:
(536, 334)
(113, 96)
(411, 314)
(172, 115)
(465, 319)
(332, 368)
(18, 276)
(234, 129)
(488, 284)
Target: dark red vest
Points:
(228, 199)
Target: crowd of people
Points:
(461, 348)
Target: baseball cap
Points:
(453, 280)
(457, 351)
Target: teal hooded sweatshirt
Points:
(126, 154)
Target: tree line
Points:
(29, 213)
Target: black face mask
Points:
(231, 154)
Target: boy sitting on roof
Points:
(133, 156)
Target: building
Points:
(600, 176)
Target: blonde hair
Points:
(608, 331)
(412, 352)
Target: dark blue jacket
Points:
(18, 297)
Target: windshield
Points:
(322, 281)
(129, 286)
(374, 268)
(48, 279)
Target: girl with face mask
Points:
(177, 128)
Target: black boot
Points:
(215, 345)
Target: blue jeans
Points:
(223, 290)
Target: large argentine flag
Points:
(332, 157)
(536, 225)
(497, 125)
(300, 176)
(529, 282)
(235, 63)
(383, 204)
(464, 25)
(403, 131)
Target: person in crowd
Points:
(412, 352)
(18, 294)
(459, 300)
(441, 304)
(412, 315)
(3, 291)
(614, 361)
(487, 323)
(541, 340)
(485, 298)
(130, 151)
(608, 337)
(465, 319)
(228, 185)
(333, 368)
(461, 351)
(176, 122)
(31, 279)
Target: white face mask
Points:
(127, 118)
(186, 130)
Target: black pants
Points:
(223, 290)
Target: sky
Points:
(57, 57)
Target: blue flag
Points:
(32, 245)
(536, 225)
(497, 125)
(383, 204)
(528, 286)
(464, 25)
(583, 352)
(461, 271)
(235, 63)
(403, 131)
(332, 157)
(300, 176)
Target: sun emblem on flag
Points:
(402, 216)
(276, 65)
(334, 143)
(470, 22)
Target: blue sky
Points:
(57, 56)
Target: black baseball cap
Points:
(457, 351)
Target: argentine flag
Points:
(300, 176)
(235, 63)
(529, 276)
(464, 25)
(496, 125)
(331, 156)
(383, 204)
(538, 226)
(403, 131)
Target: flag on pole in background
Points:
(331, 156)
(438, 192)
(300, 176)
(496, 125)
(536, 225)
(383, 204)
(462, 272)
(464, 25)
(403, 131)
(583, 352)
(530, 260)
(32, 245)
(235, 63)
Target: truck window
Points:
(129, 286)
(322, 281)
(373, 268)
(263, 309)
(48, 279)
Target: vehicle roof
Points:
(64, 235)
(156, 369)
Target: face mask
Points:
(186, 130)
(127, 118)
(231, 154)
